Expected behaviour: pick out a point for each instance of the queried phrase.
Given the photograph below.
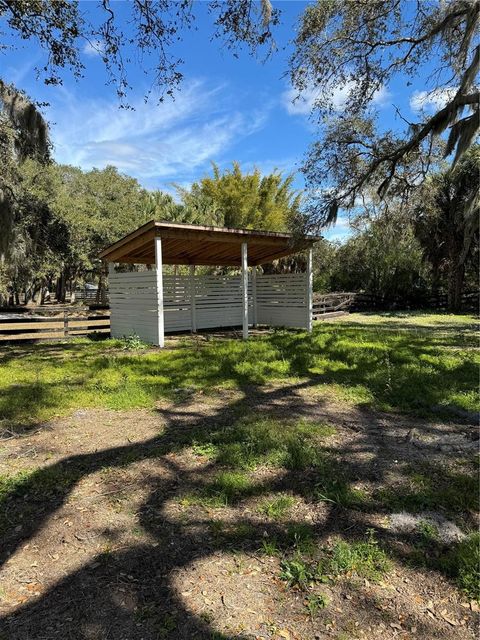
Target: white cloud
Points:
(303, 103)
(93, 48)
(431, 100)
(170, 141)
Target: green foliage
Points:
(425, 488)
(314, 602)
(462, 562)
(355, 48)
(296, 573)
(431, 365)
(446, 218)
(364, 558)
(226, 488)
(244, 200)
(133, 343)
(277, 507)
(270, 547)
(384, 259)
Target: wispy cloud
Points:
(93, 48)
(431, 100)
(303, 103)
(171, 141)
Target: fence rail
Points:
(53, 328)
(331, 303)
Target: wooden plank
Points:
(13, 326)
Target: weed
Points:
(462, 562)
(296, 572)
(301, 536)
(278, 507)
(428, 533)
(270, 547)
(226, 488)
(133, 342)
(364, 558)
(314, 602)
(430, 488)
(205, 449)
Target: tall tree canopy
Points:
(357, 47)
(446, 217)
(244, 200)
(23, 136)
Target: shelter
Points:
(149, 303)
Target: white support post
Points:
(245, 290)
(254, 295)
(309, 289)
(193, 310)
(111, 269)
(159, 280)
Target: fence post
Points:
(65, 324)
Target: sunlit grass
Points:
(412, 362)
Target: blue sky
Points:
(226, 109)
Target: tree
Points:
(93, 208)
(23, 136)
(161, 206)
(245, 200)
(447, 222)
(356, 47)
(384, 259)
(62, 28)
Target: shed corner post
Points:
(159, 282)
(254, 295)
(245, 290)
(309, 289)
(193, 309)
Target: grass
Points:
(403, 362)
(278, 507)
(362, 558)
(427, 488)
(389, 361)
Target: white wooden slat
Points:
(281, 301)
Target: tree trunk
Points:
(60, 289)
(455, 286)
(101, 297)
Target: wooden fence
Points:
(331, 304)
(53, 328)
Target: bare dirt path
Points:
(101, 542)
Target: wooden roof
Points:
(200, 245)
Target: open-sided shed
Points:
(150, 303)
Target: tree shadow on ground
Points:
(131, 594)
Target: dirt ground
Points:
(115, 553)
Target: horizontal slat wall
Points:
(133, 305)
(176, 303)
(218, 301)
(282, 300)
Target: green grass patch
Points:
(411, 362)
(429, 487)
(278, 507)
(364, 558)
(227, 487)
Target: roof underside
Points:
(194, 244)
